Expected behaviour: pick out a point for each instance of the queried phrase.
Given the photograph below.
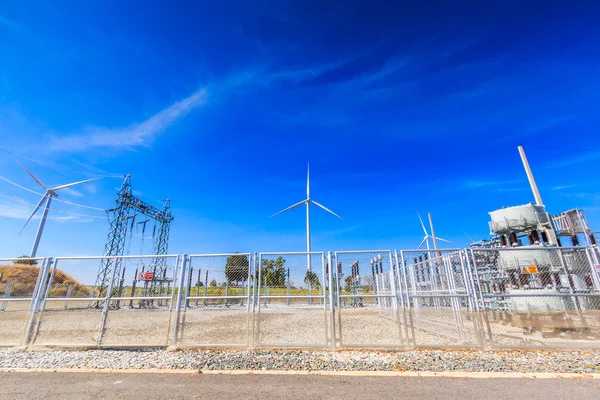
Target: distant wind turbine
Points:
(308, 201)
(428, 236)
(47, 199)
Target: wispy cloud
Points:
(137, 135)
(72, 192)
(562, 187)
(9, 24)
(578, 159)
(15, 207)
(478, 183)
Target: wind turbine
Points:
(428, 236)
(45, 202)
(308, 201)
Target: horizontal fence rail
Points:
(485, 298)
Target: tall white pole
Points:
(40, 229)
(308, 234)
(536, 194)
(308, 217)
(432, 231)
(534, 188)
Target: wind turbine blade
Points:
(33, 176)
(73, 184)
(422, 224)
(443, 240)
(290, 207)
(326, 209)
(423, 242)
(470, 238)
(308, 182)
(39, 205)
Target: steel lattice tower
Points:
(117, 235)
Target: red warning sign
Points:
(146, 276)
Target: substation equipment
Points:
(151, 273)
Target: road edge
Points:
(421, 374)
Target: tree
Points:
(213, 283)
(236, 268)
(312, 279)
(348, 284)
(273, 272)
(24, 260)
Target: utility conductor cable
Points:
(40, 194)
(51, 209)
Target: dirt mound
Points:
(23, 277)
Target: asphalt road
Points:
(66, 386)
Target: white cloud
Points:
(15, 207)
(579, 159)
(15, 211)
(136, 135)
(484, 183)
(72, 192)
(562, 187)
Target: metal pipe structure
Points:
(536, 193)
(534, 188)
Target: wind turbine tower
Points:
(308, 201)
(45, 202)
(428, 236)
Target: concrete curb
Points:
(421, 374)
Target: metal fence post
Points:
(256, 303)
(594, 272)
(409, 301)
(486, 336)
(183, 259)
(331, 300)
(107, 302)
(401, 291)
(37, 286)
(37, 298)
(395, 294)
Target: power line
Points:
(57, 170)
(40, 194)
(51, 209)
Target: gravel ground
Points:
(418, 360)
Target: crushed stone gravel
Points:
(534, 361)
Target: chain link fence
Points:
(19, 282)
(216, 307)
(438, 293)
(523, 297)
(367, 307)
(544, 297)
(291, 308)
(133, 310)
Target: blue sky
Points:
(220, 105)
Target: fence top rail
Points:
(495, 295)
(531, 248)
(369, 296)
(361, 251)
(302, 253)
(430, 250)
(23, 260)
(219, 255)
(16, 298)
(137, 298)
(207, 297)
(293, 296)
(115, 257)
(459, 295)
